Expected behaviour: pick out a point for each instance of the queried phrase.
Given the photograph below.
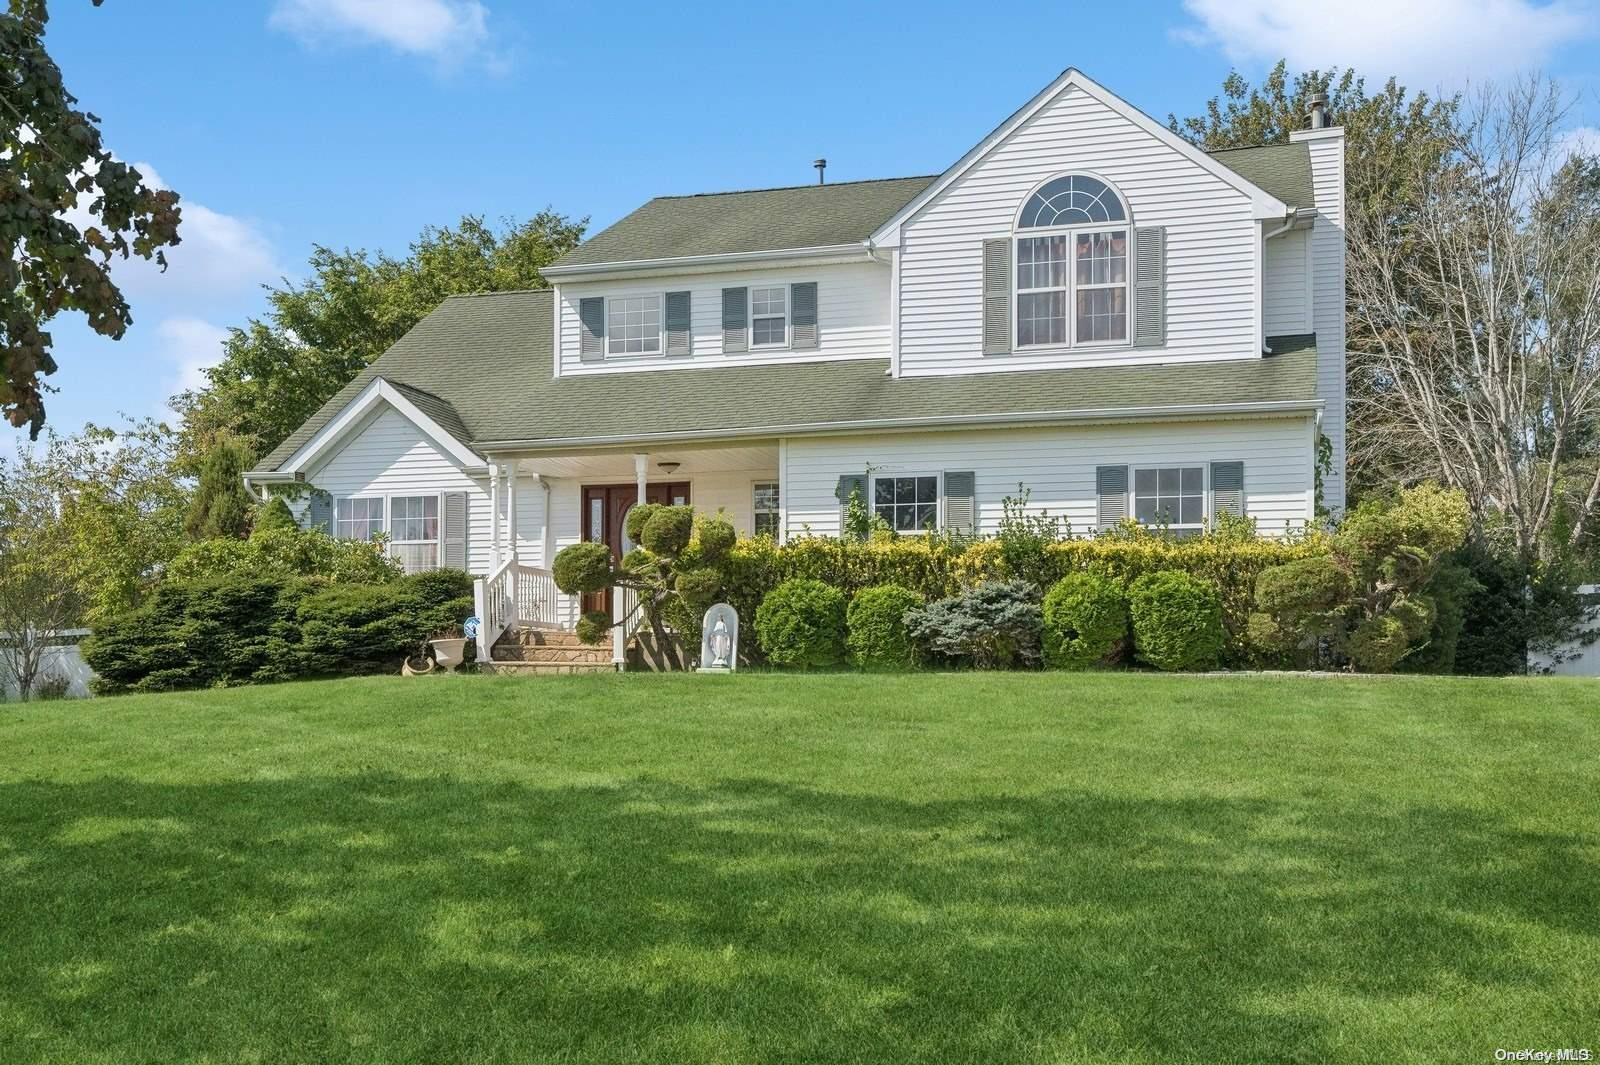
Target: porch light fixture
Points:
(669, 467)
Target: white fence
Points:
(1575, 659)
(61, 659)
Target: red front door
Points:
(605, 511)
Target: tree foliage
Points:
(38, 599)
(67, 208)
(222, 506)
(318, 334)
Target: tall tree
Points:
(1393, 141)
(316, 336)
(67, 207)
(221, 506)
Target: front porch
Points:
(541, 503)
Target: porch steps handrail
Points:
(515, 594)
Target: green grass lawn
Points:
(968, 868)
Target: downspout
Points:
(1266, 235)
(893, 263)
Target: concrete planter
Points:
(449, 653)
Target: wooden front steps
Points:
(538, 651)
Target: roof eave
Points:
(1008, 418)
(704, 263)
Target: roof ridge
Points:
(498, 292)
(791, 188)
(1250, 147)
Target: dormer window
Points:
(1072, 265)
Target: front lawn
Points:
(763, 868)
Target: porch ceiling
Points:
(617, 466)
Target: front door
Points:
(605, 512)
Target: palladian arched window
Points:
(1072, 265)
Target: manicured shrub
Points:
(698, 587)
(1177, 621)
(1085, 621)
(802, 623)
(582, 567)
(1302, 606)
(667, 531)
(633, 524)
(993, 626)
(285, 554)
(715, 537)
(594, 627)
(877, 636)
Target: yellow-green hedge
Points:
(939, 569)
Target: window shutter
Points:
(1111, 485)
(453, 553)
(997, 296)
(320, 514)
(1150, 287)
(592, 326)
(735, 319)
(678, 332)
(1227, 488)
(849, 483)
(803, 315)
(960, 504)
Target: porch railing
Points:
(514, 594)
(625, 616)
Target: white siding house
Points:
(1084, 308)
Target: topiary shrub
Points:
(1085, 621)
(716, 537)
(666, 532)
(994, 625)
(802, 623)
(1302, 606)
(633, 523)
(1177, 621)
(877, 637)
(581, 568)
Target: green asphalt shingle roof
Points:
(819, 216)
(484, 365)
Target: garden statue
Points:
(719, 640)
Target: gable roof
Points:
(853, 212)
(489, 358)
(727, 223)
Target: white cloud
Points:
(446, 30)
(1428, 44)
(190, 345)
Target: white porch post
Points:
(641, 464)
(511, 509)
(494, 518)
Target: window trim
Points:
(1205, 495)
(787, 316)
(1071, 232)
(661, 324)
(776, 512)
(893, 475)
(387, 531)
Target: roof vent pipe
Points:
(821, 165)
(1319, 110)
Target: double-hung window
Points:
(1171, 496)
(414, 532)
(1072, 265)
(633, 325)
(769, 316)
(766, 508)
(908, 504)
(359, 518)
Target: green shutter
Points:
(454, 553)
(997, 296)
(592, 327)
(960, 503)
(1150, 287)
(735, 320)
(1227, 488)
(678, 331)
(850, 483)
(1111, 486)
(803, 315)
(319, 515)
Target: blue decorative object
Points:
(470, 627)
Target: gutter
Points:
(630, 266)
(1006, 419)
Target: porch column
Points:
(641, 464)
(511, 509)
(494, 517)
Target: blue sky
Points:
(354, 123)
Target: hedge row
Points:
(244, 629)
(936, 570)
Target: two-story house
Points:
(1084, 304)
